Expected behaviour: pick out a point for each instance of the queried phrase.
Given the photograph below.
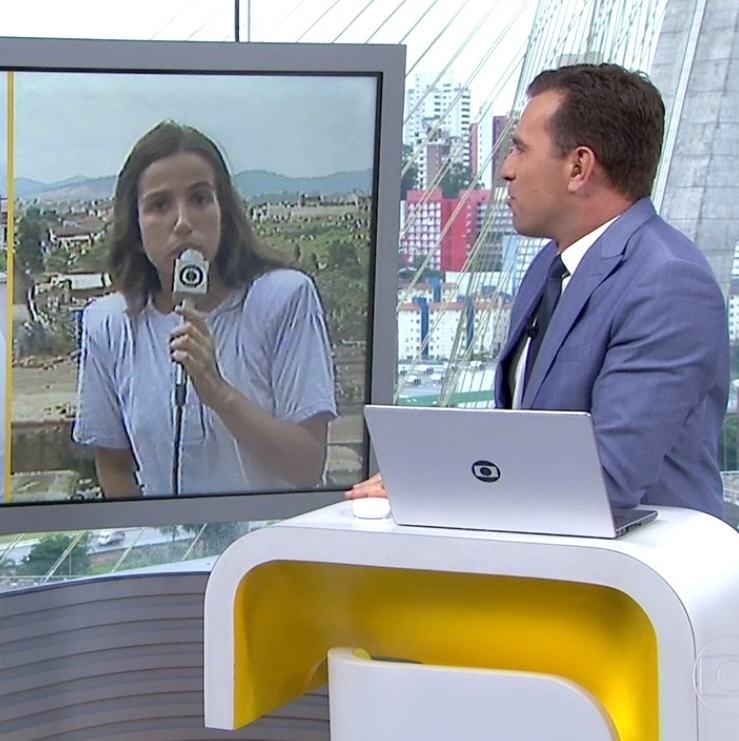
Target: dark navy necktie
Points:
(540, 320)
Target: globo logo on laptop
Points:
(485, 471)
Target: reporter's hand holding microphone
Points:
(191, 344)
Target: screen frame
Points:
(387, 62)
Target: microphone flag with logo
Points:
(190, 282)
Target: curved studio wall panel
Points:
(120, 658)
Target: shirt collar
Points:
(572, 255)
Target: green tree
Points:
(728, 450)
(170, 531)
(95, 259)
(457, 178)
(409, 176)
(58, 262)
(175, 549)
(47, 551)
(335, 252)
(216, 536)
(426, 273)
(342, 284)
(29, 239)
(735, 360)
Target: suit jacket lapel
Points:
(597, 264)
(524, 305)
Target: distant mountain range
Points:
(250, 183)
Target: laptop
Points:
(521, 471)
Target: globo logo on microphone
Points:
(190, 274)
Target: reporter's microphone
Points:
(190, 282)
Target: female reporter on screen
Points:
(255, 347)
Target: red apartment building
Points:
(441, 226)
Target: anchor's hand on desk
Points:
(372, 487)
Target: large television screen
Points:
(199, 246)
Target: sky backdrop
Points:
(84, 124)
(477, 41)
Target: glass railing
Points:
(44, 559)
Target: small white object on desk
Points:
(371, 508)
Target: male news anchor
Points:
(638, 336)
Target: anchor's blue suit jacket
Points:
(639, 339)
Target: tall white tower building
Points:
(437, 110)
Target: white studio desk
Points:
(647, 625)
